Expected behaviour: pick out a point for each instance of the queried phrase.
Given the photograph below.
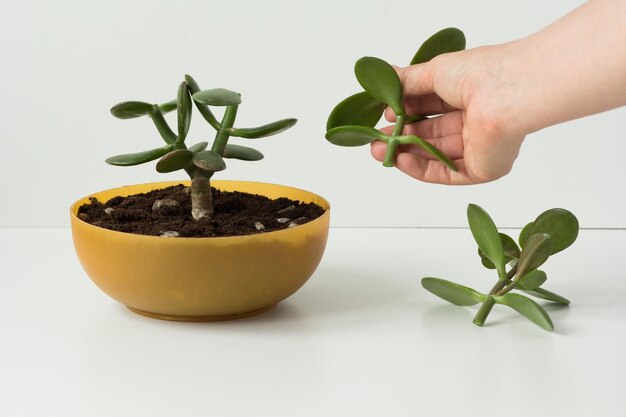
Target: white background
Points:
(64, 63)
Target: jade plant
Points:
(199, 162)
(551, 232)
(352, 122)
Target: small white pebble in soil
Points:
(187, 190)
(287, 209)
(292, 224)
(109, 210)
(282, 220)
(164, 203)
(169, 233)
(259, 226)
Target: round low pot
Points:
(201, 279)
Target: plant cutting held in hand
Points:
(199, 163)
(352, 122)
(553, 231)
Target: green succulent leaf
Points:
(175, 160)
(486, 236)
(217, 97)
(198, 147)
(262, 131)
(537, 251)
(560, 224)
(208, 115)
(446, 40)
(546, 295)
(511, 251)
(527, 308)
(164, 129)
(241, 152)
(381, 81)
(209, 161)
(525, 234)
(139, 157)
(452, 292)
(427, 146)
(354, 135)
(168, 107)
(361, 109)
(131, 109)
(183, 105)
(534, 279)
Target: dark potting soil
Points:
(235, 214)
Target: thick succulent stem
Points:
(484, 311)
(201, 197)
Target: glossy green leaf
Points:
(198, 147)
(241, 152)
(139, 157)
(528, 308)
(537, 250)
(560, 224)
(175, 160)
(209, 161)
(217, 97)
(193, 87)
(427, 146)
(546, 295)
(446, 40)
(534, 279)
(354, 135)
(360, 109)
(485, 261)
(131, 109)
(525, 234)
(183, 105)
(486, 235)
(168, 107)
(452, 292)
(262, 131)
(511, 251)
(381, 81)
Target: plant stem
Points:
(504, 280)
(221, 138)
(201, 198)
(390, 154)
(399, 126)
(484, 311)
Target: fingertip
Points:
(390, 116)
(378, 149)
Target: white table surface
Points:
(361, 338)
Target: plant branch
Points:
(399, 127)
(221, 138)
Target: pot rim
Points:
(162, 184)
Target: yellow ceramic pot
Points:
(202, 279)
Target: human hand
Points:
(475, 122)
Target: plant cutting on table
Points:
(352, 122)
(551, 232)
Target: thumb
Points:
(417, 79)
